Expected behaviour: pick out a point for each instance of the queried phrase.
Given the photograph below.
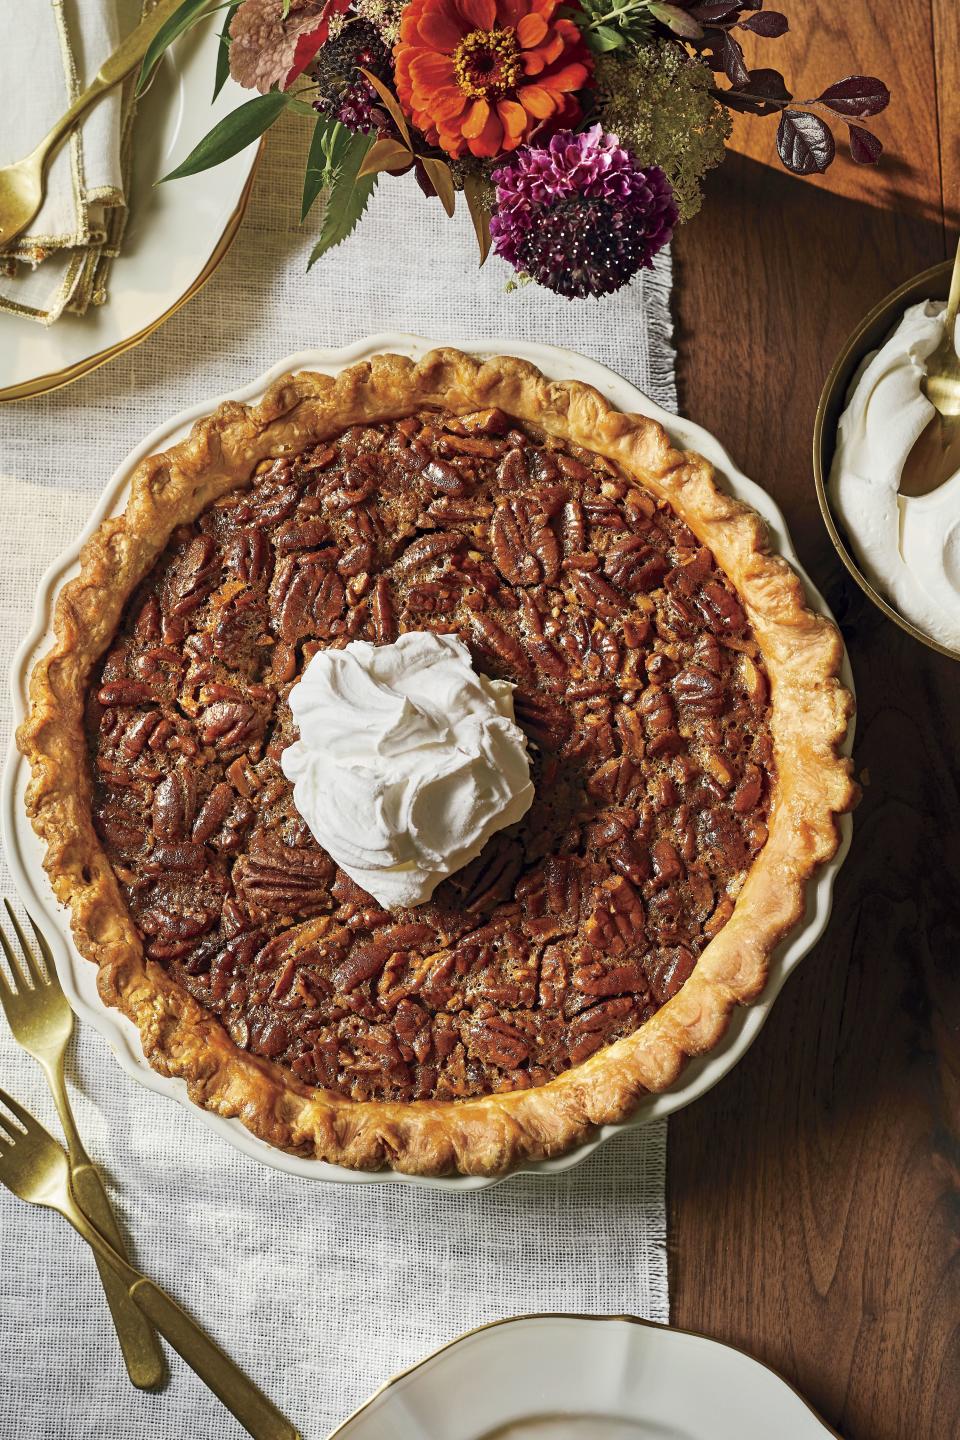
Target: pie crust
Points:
(810, 711)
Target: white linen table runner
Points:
(319, 1292)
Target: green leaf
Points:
(182, 18)
(300, 107)
(604, 38)
(223, 54)
(232, 134)
(348, 198)
(676, 19)
(327, 149)
(616, 24)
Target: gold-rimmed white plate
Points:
(176, 235)
(78, 976)
(585, 1377)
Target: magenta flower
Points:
(578, 214)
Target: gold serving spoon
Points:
(936, 455)
(22, 185)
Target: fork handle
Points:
(141, 1350)
(142, 1353)
(258, 1415)
(255, 1412)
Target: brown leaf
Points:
(391, 103)
(264, 38)
(385, 155)
(439, 172)
(480, 216)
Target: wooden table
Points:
(814, 1196)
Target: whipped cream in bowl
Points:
(908, 546)
(407, 762)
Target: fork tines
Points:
(21, 1124)
(35, 973)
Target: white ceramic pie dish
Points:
(594, 1378)
(79, 976)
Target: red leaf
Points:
(731, 57)
(858, 95)
(710, 14)
(765, 93)
(865, 148)
(804, 142)
(768, 23)
(310, 43)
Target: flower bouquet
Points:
(577, 134)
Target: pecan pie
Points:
(680, 701)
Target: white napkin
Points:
(46, 59)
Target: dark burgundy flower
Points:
(579, 215)
(342, 91)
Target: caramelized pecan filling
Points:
(640, 689)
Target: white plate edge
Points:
(647, 1334)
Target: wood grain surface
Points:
(814, 1196)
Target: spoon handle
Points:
(953, 299)
(127, 54)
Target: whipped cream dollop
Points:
(907, 546)
(407, 761)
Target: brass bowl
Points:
(932, 284)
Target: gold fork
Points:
(42, 1022)
(22, 184)
(36, 1168)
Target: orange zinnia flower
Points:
(482, 75)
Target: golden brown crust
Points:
(810, 714)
